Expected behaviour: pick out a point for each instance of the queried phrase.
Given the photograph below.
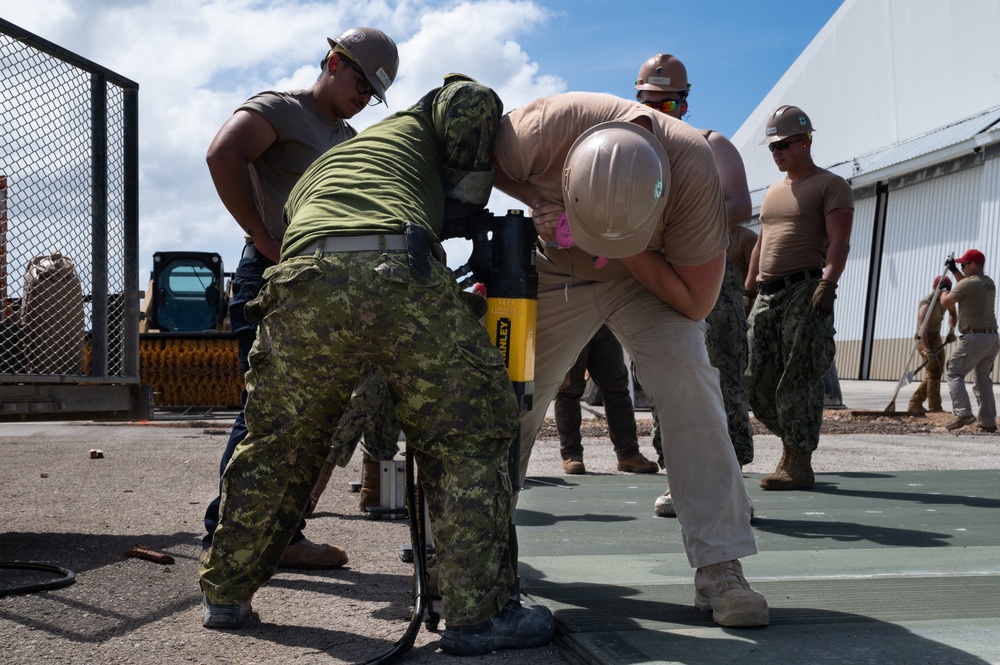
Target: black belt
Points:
(978, 331)
(772, 286)
(369, 243)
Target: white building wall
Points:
(925, 222)
(881, 71)
(852, 290)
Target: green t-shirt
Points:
(389, 174)
(399, 169)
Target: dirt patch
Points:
(834, 422)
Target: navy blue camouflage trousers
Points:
(790, 351)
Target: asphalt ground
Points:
(64, 508)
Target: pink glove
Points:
(564, 238)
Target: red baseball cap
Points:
(973, 255)
(938, 280)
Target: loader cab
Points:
(187, 292)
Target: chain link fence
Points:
(68, 221)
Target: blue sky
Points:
(734, 50)
(197, 60)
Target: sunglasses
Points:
(364, 87)
(965, 263)
(666, 106)
(781, 145)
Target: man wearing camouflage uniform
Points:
(802, 249)
(360, 281)
(662, 84)
(929, 344)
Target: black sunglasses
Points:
(781, 145)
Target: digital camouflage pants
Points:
(322, 318)
(727, 350)
(370, 419)
(790, 351)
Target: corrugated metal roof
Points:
(910, 150)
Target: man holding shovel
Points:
(931, 348)
(978, 345)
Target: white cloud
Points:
(196, 60)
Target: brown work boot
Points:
(636, 463)
(722, 589)
(312, 556)
(574, 466)
(794, 472)
(371, 486)
(916, 409)
(959, 422)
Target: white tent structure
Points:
(905, 98)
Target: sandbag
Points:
(52, 317)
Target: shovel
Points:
(908, 377)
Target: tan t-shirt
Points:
(303, 135)
(976, 296)
(531, 149)
(742, 242)
(935, 314)
(793, 221)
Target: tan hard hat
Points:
(615, 182)
(663, 72)
(786, 121)
(374, 51)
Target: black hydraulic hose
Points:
(68, 577)
(418, 538)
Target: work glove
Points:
(950, 338)
(749, 297)
(823, 298)
(951, 265)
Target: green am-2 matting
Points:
(889, 567)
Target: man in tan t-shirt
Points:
(978, 344)
(802, 249)
(659, 215)
(662, 83)
(255, 159)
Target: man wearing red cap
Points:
(929, 317)
(978, 344)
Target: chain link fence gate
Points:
(69, 310)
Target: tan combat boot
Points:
(574, 466)
(723, 590)
(371, 486)
(794, 472)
